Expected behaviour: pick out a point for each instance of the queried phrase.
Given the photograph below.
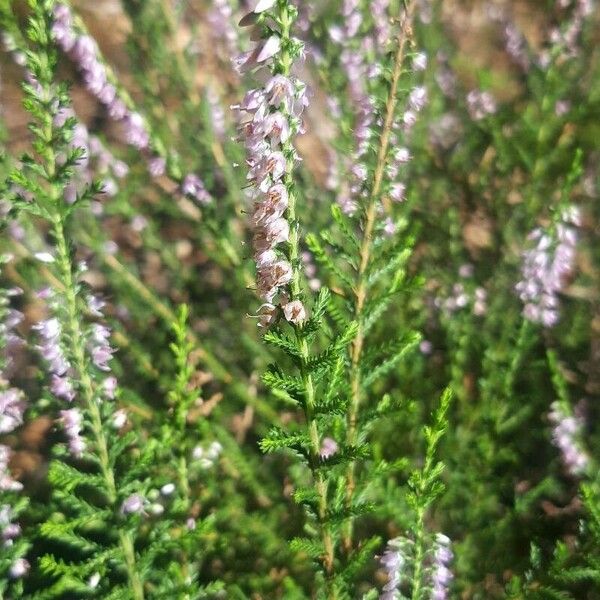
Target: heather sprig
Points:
(416, 563)
(270, 119)
(70, 34)
(77, 352)
(13, 549)
(369, 246)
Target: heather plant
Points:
(299, 299)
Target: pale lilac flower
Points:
(426, 347)
(7, 483)
(562, 107)
(480, 104)
(19, 568)
(50, 349)
(134, 504)
(136, 133)
(194, 187)
(110, 387)
(8, 529)
(119, 419)
(62, 387)
(100, 350)
(157, 166)
(419, 61)
(566, 437)
(441, 576)
(294, 312)
(545, 268)
(394, 561)
(220, 21)
(397, 192)
(409, 118)
(72, 422)
(328, 448)
(389, 227)
(280, 90)
(417, 99)
(267, 315)
(12, 406)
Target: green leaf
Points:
(312, 548)
(278, 438)
(68, 478)
(323, 258)
(382, 369)
(282, 341)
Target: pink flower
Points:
(295, 312)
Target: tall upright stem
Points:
(296, 292)
(365, 255)
(77, 338)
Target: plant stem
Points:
(365, 256)
(419, 554)
(297, 291)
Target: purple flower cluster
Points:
(222, 30)
(441, 576)
(360, 68)
(546, 266)
(567, 38)
(566, 433)
(395, 561)
(7, 483)
(9, 321)
(480, 104)
(50, 348)
(72, 422)
(84, 51)
(62, 376)
(9, 530)
(464, 295)
(329, 448)
(269, 117)
(12, 407)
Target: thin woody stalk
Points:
(298, 292)
(270, 118)
(365, 255)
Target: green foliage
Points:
(242, 462)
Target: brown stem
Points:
(365, 255)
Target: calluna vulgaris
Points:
(299, 299)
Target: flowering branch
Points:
(370, 216)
